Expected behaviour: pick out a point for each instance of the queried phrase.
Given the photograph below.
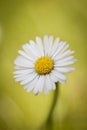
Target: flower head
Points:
(41, 64)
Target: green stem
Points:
(49, 122)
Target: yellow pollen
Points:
(44, 65)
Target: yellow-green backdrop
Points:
(21, 20)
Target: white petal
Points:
(53, 77)
(24, 75)
(60, 77)
(25, 55)
(35, 48)
(64, 69)
(25, 71)
(46, 45)
(29, 78)
(55, 46)
(32, 42)
(49, 84)
(70, 58)
(51, 39)
(31, 85)
(29, 51)
(21, 61)
(63, 55)
(65, 63)
(53, 86)
(20, 78)
(48, 81)
(52, 82)
(42, 85)
(39, 85)
(46, 90)
(65, 47)
(50, 45)
(19, 68)
(61, 47)
(40, 45)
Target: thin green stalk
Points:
(49, 122)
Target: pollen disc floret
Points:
(44, 65)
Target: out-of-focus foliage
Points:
(21, 20)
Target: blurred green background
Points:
(21, 20)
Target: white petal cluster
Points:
(25, 71)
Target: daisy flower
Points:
(43, 63)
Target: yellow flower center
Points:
(44, 65)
